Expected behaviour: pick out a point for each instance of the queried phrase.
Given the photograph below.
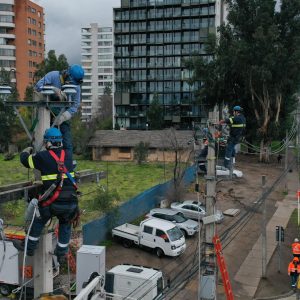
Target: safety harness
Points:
(56, 187)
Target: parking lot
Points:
(240, 193)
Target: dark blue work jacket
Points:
(46, 164)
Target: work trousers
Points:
(229, 152)
(65, 213)
(294, 278)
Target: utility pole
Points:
(208, 279)
(43, 269)
(263, 230)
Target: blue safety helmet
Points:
(76, 74)
(53, 135)
(237, 108)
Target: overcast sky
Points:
(64, 20)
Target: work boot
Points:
(61, 257)
(20, 245)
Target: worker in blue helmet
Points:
(237, 125)
(73, 75)
(59, 192)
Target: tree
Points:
(155, 114)
(141, 151)
(181, 162)
(8, 122)
(51, 63)
(255, 63)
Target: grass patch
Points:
(294, 217)
(127, 178)
(106, 243)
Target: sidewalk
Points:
(249, 274)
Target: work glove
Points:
(60, 94)
(62, 118)
(28, 150)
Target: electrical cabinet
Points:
(89, 259)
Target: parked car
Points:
(187, 226)
(194, 210)
(164, 237)
(222, 171)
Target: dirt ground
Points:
(241, 193)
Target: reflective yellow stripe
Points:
(238, 125)
(54, 176)
(30, 162)
(231, 120)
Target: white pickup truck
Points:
(162, 236)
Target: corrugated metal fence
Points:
(97, 231)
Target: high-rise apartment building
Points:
(151, 40)
(21, 40)
(97, 61)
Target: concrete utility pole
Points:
(263, 230)
(208, 277)
(43, 271)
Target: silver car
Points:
(187, 226)
(194, 210)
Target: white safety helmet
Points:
(296, 240)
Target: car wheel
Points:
(159, 252)
(5, 290)
(183, 232)
(127, 243)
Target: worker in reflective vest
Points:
(294, 270)
(237, 124)
(296, 248)
(59, 191)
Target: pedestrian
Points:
(296, 248)
(279, 158)
(73, 75)
(237, 124)
(59, 197)
(294, 270)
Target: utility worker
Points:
(203, 157)
(59, 192)
(73, 75)
(296, 248)
(294, 270)
(237, 124)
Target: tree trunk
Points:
(264, 155)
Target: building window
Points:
(30, 74)
(106, 151)
(125, 150)
(33, 21)
(39, 14)
(6, 19)
(6, 7)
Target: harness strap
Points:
(61, 168)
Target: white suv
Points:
(187, 226)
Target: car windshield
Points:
(174, 234)
(179, 218)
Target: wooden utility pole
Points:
(209, 271)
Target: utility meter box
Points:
(89, 259)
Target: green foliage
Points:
(51, 63)
(254, 63)
(108, 89)
(83, 131)
(155, 114)
(141, 151)
(105, 200)
(29, 93)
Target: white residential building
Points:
(97, 61)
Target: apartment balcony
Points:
(7, 25)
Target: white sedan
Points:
(222, 171)
(191, 209)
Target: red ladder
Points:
(222, 266)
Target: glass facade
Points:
(152, 39)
